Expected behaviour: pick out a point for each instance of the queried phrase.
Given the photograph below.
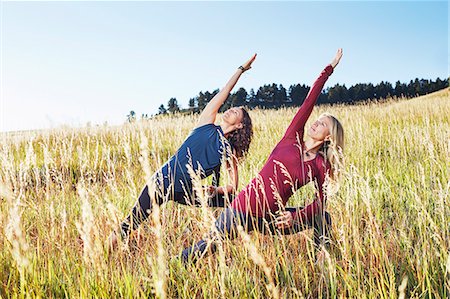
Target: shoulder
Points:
(208, 129)
(203, 127)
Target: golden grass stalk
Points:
(258, 259)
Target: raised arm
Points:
(208, 115)
(303, 113)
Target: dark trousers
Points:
(143, 207)
(228, 221)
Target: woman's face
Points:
(233, 116)
(320, 129)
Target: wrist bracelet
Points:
(241, 68)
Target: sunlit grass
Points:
(64, 191)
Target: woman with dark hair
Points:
(203, 151)
(292, 164)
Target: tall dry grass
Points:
(63, 192)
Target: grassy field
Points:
(63, 191)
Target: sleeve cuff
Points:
(329, 69)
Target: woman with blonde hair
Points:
(292, 164)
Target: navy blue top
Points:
(202, 149)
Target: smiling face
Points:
(234, 117)
(320, 129)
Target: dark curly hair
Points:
(240, 139)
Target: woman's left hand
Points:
(248, 64)
(284, 219)
(337, 58)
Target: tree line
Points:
(276, 95)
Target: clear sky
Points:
(77, 62)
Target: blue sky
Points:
(77, 62)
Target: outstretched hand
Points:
(248, 64)
(337, 58)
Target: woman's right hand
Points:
(337, 58)
(284, 219)
(211, 191)
(248, 64)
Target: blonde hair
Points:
(333, 149)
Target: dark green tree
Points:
(400, 89)
(383, 90)
(239, 97)
(131, 117)
(297, 94)
(251, 98)
(338, 94)
(281, 98)
(192, 103)
(162, 109)
(172, 106)
(204, 98)
(201, 101)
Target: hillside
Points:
(63, 191)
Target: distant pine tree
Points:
(131, 117)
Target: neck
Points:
(312, 146)
(226, 128)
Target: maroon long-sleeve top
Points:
(285, 170)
